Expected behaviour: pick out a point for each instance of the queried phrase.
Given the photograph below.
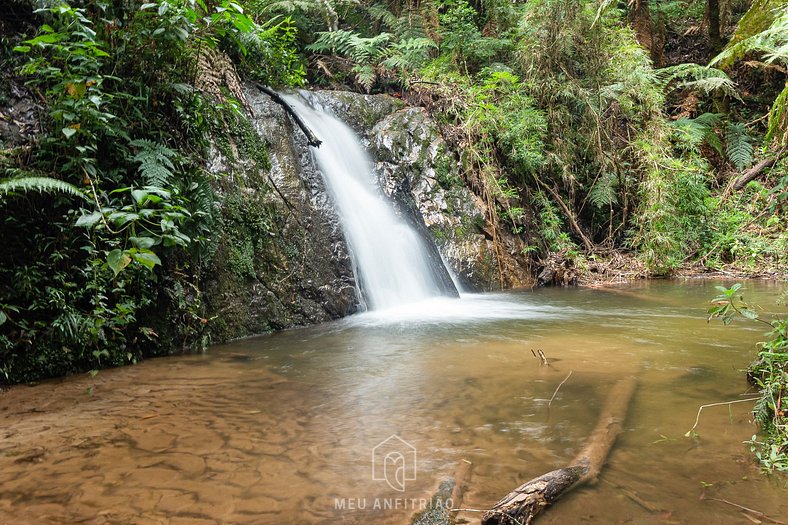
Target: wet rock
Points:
(282, 260)
(419, 172)
(18, 115)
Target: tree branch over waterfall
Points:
(313, 140)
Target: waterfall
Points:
(393, 264)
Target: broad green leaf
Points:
(118, 260)
(139, 195)
(68, 132)
(89, 220)
(142, 242)
(49, 38)
(749, 314)
(147, 258)
(3, 317)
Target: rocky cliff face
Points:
(282, 260)
(417, 170)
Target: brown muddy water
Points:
(284, 428)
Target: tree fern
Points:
(156, 162)
(764, 29)
(738, 145)
(39, 184)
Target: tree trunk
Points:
(640, 18)
(715, 35)
(526, 502)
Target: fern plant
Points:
(39, 184)
(155, 162)
(738, 145)
(705, 80)
(364, 53)
(764, 30)
(708, 128)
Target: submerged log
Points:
(526, 502)
(310, 136)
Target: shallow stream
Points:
(283, 428)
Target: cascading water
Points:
(393, 264)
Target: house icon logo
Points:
(394, 461)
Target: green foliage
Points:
(769, 372)
(90, 282)
(40, 184)
(704, 80)
(368, 55)
(673, 218)
(462, 37)
(738, 146)
(764, 31)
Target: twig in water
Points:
(697, 418)
(756, 513)
(557, 389)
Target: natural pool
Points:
(283, 428)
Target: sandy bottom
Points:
(282, 429)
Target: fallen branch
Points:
(756, 513)
(542, 358)
(311, 138)
(697, 417)
(526, 502)
(756, 170)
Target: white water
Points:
(390, 259)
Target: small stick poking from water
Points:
(557, 389)
(697, 418)
(542, 358)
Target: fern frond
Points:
(39, 184)
(365, 75)
(603, 193)
(691, 133)
(762, 29)
(738, 145)
(698, 78)
(156, 162)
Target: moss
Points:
(444, 173)
(236, 138)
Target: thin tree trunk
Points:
(571, 218)
(640, 18)
(715, 34)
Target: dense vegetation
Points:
(108, 215)
(768, 372)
